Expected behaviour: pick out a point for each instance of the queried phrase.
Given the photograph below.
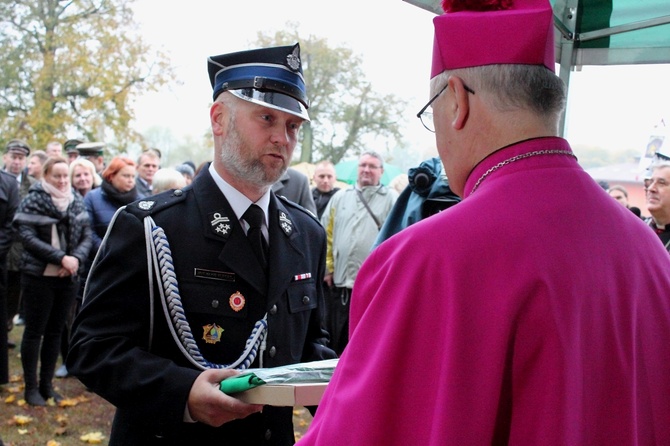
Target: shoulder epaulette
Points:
(155, 203)
(292, 204)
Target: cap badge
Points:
(211, 333)
(220, 224)
(146, 205)
(237, 301)
(293, 59)
(285, 224)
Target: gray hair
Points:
(510, 86)
(373, 154)
(620, 189)
(661, 165)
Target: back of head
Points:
(505, 50)
(166, 179)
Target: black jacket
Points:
(213, 261)
(9, 202)
(34, 220)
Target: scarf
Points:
(117, 197)
(60, 199)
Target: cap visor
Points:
(274, 100)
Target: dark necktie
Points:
(254, 216)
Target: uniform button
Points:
(273, 310)
(268, 434)
(272, 352)
(305, 299)
(215, 303)
(177, 193)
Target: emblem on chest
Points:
(237, 301)
(212, 333)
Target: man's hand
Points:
(207, 404)
(328, 278)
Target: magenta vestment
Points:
(534, 312)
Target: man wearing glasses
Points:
(352, 220)
(525, 315)
(658, 202)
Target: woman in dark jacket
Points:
(53, 225)
(117, 189)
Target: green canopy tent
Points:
(603, 32)
(347, 172)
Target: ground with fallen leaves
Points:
(82, 418)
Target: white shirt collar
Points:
(238, 201)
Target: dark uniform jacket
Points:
(214, 265)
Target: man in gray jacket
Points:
(352, 220)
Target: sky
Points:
(615, 108)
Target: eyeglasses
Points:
(426, 116)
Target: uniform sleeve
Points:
(109, 345)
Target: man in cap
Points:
(70, 148)
(9, 202)
(245, 266)
(16, 158)
(540, 319)
(94, 152)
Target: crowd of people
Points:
(55, 205)
(506, 313)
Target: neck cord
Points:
(517, 158)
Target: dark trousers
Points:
(4, 352)
(14, 294)
(337, 317)
(47, 302)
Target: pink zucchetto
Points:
(473, 33)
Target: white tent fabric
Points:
(603, 32)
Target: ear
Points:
(461, 103)
(218, 115)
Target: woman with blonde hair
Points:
(83, 176)
(166, 179)
(54, 229)
(117, 189)
(83, 179)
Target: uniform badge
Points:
(146, 205)
(212, 333)
(304, 276)
(285, 224)
(237, 301)
(293, 59)
(220, 224)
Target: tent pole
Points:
(566, 35)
